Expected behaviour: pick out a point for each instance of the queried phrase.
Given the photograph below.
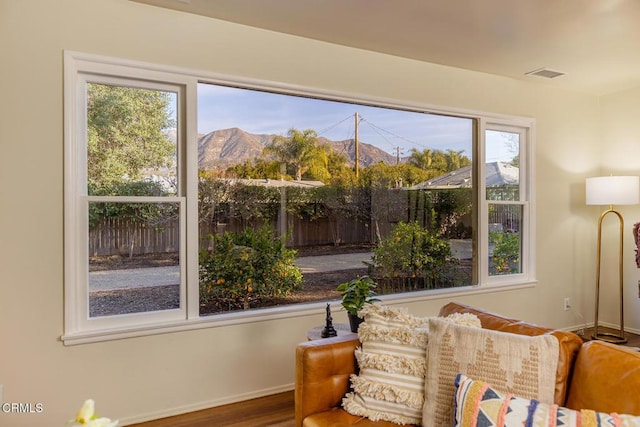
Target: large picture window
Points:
(190, 198)
(331, 181)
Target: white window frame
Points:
(80, 329)
(525, 130)
(79, 72)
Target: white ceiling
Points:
(595, 42)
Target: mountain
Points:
(369, 154)
(223, 148)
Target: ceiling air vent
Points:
(546, 73)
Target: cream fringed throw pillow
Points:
(390, 384)
(392, 361)
(518, 364)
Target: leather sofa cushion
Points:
(323, 368)
(605, 378)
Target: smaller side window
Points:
(506, 202)
(125, 211)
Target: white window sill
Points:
(285, 312)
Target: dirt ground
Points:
(117, 262)
(316, 287)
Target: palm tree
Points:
(421, 159)
(299, 150)
(455, 160)
(438, 161)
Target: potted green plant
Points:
(355, 294)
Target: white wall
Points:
(621, 156)
(145, 377)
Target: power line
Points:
(390, 133)
(378, 130)
(383, 133)
(349, 117)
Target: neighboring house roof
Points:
(501, 174)
(498, 174)
(274, 183)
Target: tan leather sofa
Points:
(596, 375)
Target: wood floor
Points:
(633, 340)
(271, 411)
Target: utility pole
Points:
(397, 155)
(357, 154)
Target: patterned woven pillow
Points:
(392, 361)
(518, 364)
(479, 404)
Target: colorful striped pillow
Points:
(479, 404)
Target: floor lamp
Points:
(611, 190)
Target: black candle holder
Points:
(328, 330)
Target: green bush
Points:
(506, 253)
(153, 214)
(412, 252)
(242, 269)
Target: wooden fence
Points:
(115, 236)
(126, 237)
(304, 232)
(506, 218)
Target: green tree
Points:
(256, 169)
(421, 159)
(300, 151)
(340, 171)
(456, 160)
(438, 161)
(383, 175)
(126, 130)
(380, 175)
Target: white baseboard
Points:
(204, 405)
(604, 324)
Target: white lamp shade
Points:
(613, 190)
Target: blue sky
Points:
(257, 112)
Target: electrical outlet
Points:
(566, 306)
